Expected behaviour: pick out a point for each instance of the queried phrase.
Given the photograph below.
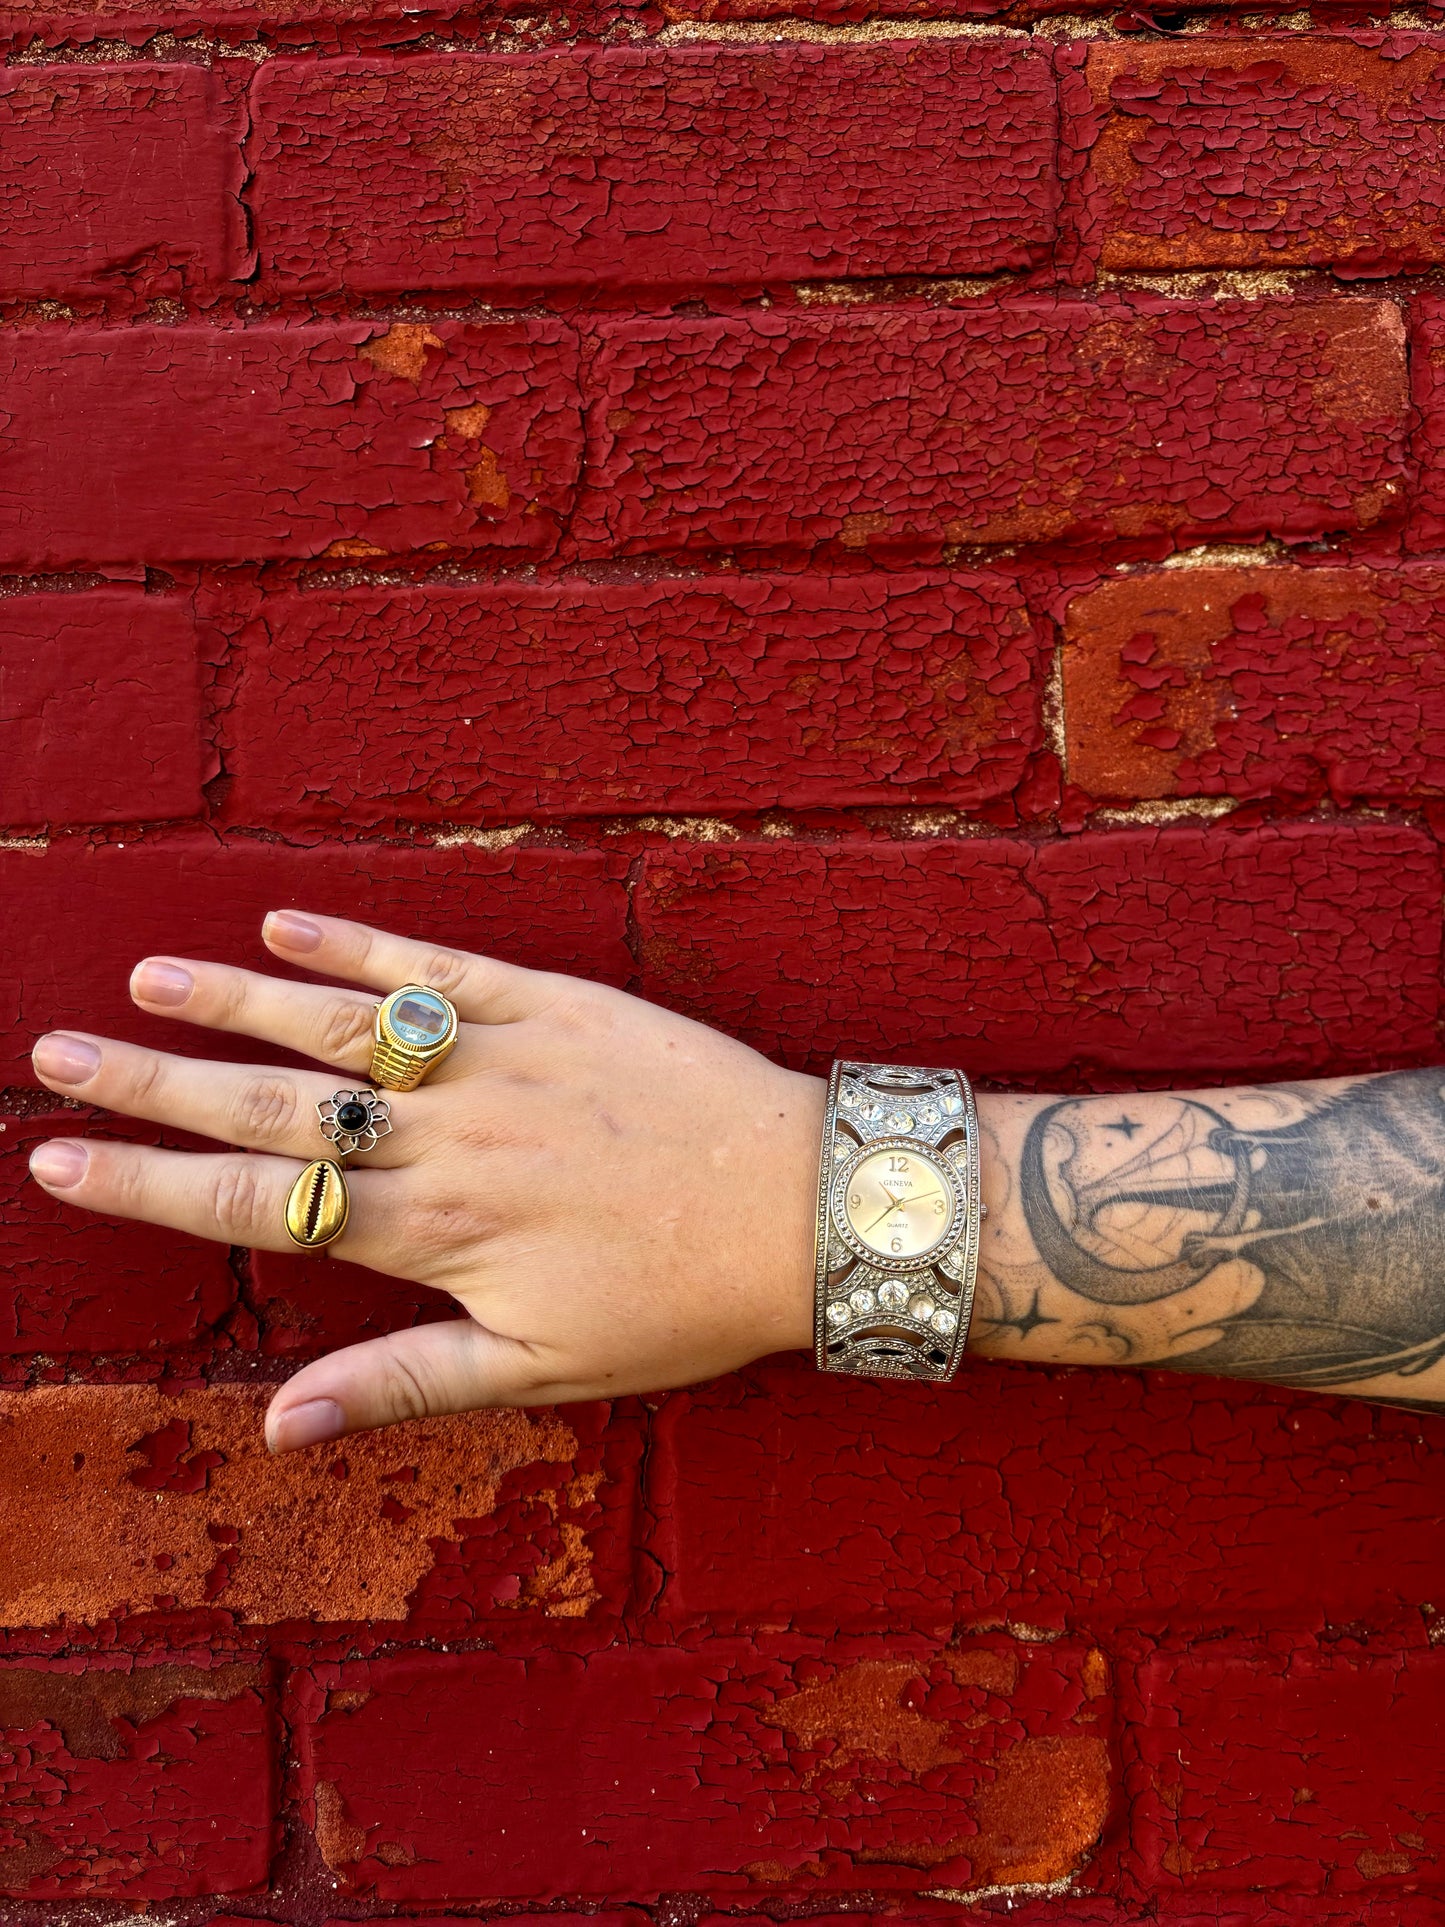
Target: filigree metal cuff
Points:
(898, 1222)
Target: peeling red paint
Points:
(1192, 421)
(689, 163)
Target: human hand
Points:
(621, 1199)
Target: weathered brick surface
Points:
(1032, 419)
(137, 1781)
(1427, 366)
(1092, 1499)
(778, 1763)
(118, 180)
(72, 1282)
(691, 163)
(662, 695)
(1184, 951)
(1279, 151)
(101, 720)
(141, 1502)
(192, 894)
(1251, 1769)
(1248, 682)
(283, 440)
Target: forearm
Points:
(1292, 1233)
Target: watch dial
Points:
(420, 1018)
(899, 1204)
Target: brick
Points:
(1426, 528)
(102, 714)
(1030, 419)
(193, 895)
(173, 444)
(1284, 151)
(1178, 951)
(1296, 1767)
(72, 1282)
(134, 1781)
(1089, 1499)
(733, 693)
(138, 1503)
(118, 180)
(636, 1770)
(60, 21)
(710, 162)
(1251, 682)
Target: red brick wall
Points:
(930, 544)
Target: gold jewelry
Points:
(354, 1121)
(318, 1205)
(415, 1028)
(898, 1222)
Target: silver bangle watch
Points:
(899, 1217)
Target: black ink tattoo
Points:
(1341, 1213)
(1128, 1125)
(1022, 1322)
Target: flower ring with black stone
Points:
(354, 1120)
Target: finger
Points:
(456, 1366)
(232, 1197)
(483, 990)
(333, 1026)
(255, 1105)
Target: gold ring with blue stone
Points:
(414, 1029)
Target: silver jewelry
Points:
(898, 1222)
(354, 1120)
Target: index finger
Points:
(484, 990)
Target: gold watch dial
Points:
(899, 1204)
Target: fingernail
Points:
(66, 1059)
(313, 1423)
(59, 1164)
(157, 982)
(291, 932)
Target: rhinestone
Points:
(837, 1314)
(838, 1256)
(893, 1295)
(944, 1321)
(959, 1152)
(921, 1308)
(874, 1111)
(861, 1300)
(847, 1097)
(842, 1148)
(951, 1102)
(900, 1121)
(929, 1114)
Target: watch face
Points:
(420, 1019)
(899, 1203)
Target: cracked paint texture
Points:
(73, 1282)
(136, 1781)
(1291, 1806)
(773, 1764)
(1180, 950)
(1426, 528)
(1268, 151)
(138, 1502)
(100, 710)
(733, 692)
(234, 444)
(1248, 682)
(1093, 1499)
(553, 909)
(118, 180)
(1030, 419)
(633, 164)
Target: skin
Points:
(623, 1200)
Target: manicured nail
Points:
(65, 1059)
(290, 932)
(59, 1163)
(157, 982)
(313, 1423)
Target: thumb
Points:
(453, 1366)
